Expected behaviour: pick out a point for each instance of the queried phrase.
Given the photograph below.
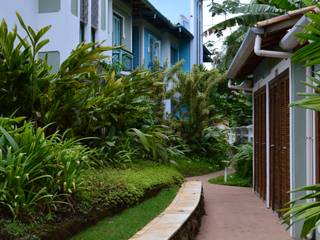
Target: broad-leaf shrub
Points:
(214, 144)
(23, 76)
(37, 173)
(242, 161)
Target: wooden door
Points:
(317, 146)
(279, 142)
(260, 142)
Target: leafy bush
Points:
(195, 165)
(243, 161)
(116, 187)
(37, 173)
(22, 75)
(156, 142)
(233, 180)
(214, 144)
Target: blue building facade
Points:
(146, 35)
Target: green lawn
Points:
(130, 221)
(233, 180)
(195, 166)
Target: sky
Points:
(172, 11)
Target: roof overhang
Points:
(275, 31)
(144, 9)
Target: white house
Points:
(74, 21)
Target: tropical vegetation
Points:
(239, 17)
(241, 162)
(85, 140)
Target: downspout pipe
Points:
(267, 53)
(289, 41)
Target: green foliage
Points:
(233, 180)
(195, 165)
(304, 209)
(214, 144)
(37, 172)
(191, 107)
(22, 76)
(242, 161)
(249, 14)
(309, 54)
(124, 187)
(155, 141)
(126, 224)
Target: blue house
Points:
(146, 35)
(155, 37)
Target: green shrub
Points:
(242, 161)
(233, 180)
(195, 165)
(37, 173)
(215, 145)
(124, 187)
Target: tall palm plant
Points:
(248, 14)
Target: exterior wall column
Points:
(267, 147)
(298, 141)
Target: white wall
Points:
(64, 34)
(196, 28)
(9, 8)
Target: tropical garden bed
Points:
(84, 143)
(103, 193)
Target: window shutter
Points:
(84, 11)
(95, 14)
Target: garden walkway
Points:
(235, 213)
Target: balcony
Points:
(124, 58)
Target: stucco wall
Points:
(64, 34)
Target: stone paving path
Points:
(235, 213)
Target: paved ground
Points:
(235, 213)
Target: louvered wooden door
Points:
(279, 142)
(260, 142)
(317, 146)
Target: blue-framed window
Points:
(117, 30)
(174, 55)
(154, 49)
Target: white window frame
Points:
(156, 41)
(123, 23)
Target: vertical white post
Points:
(267, 147)
(253, 142)
(226, 174)
(309, 136)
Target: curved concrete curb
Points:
(181, 220)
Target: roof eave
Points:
(243, 53)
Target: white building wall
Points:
(196, 28)
(64, 34)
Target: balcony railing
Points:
(124, 57)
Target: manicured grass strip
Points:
(195, 166)
(233, 180)
(130, 221)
